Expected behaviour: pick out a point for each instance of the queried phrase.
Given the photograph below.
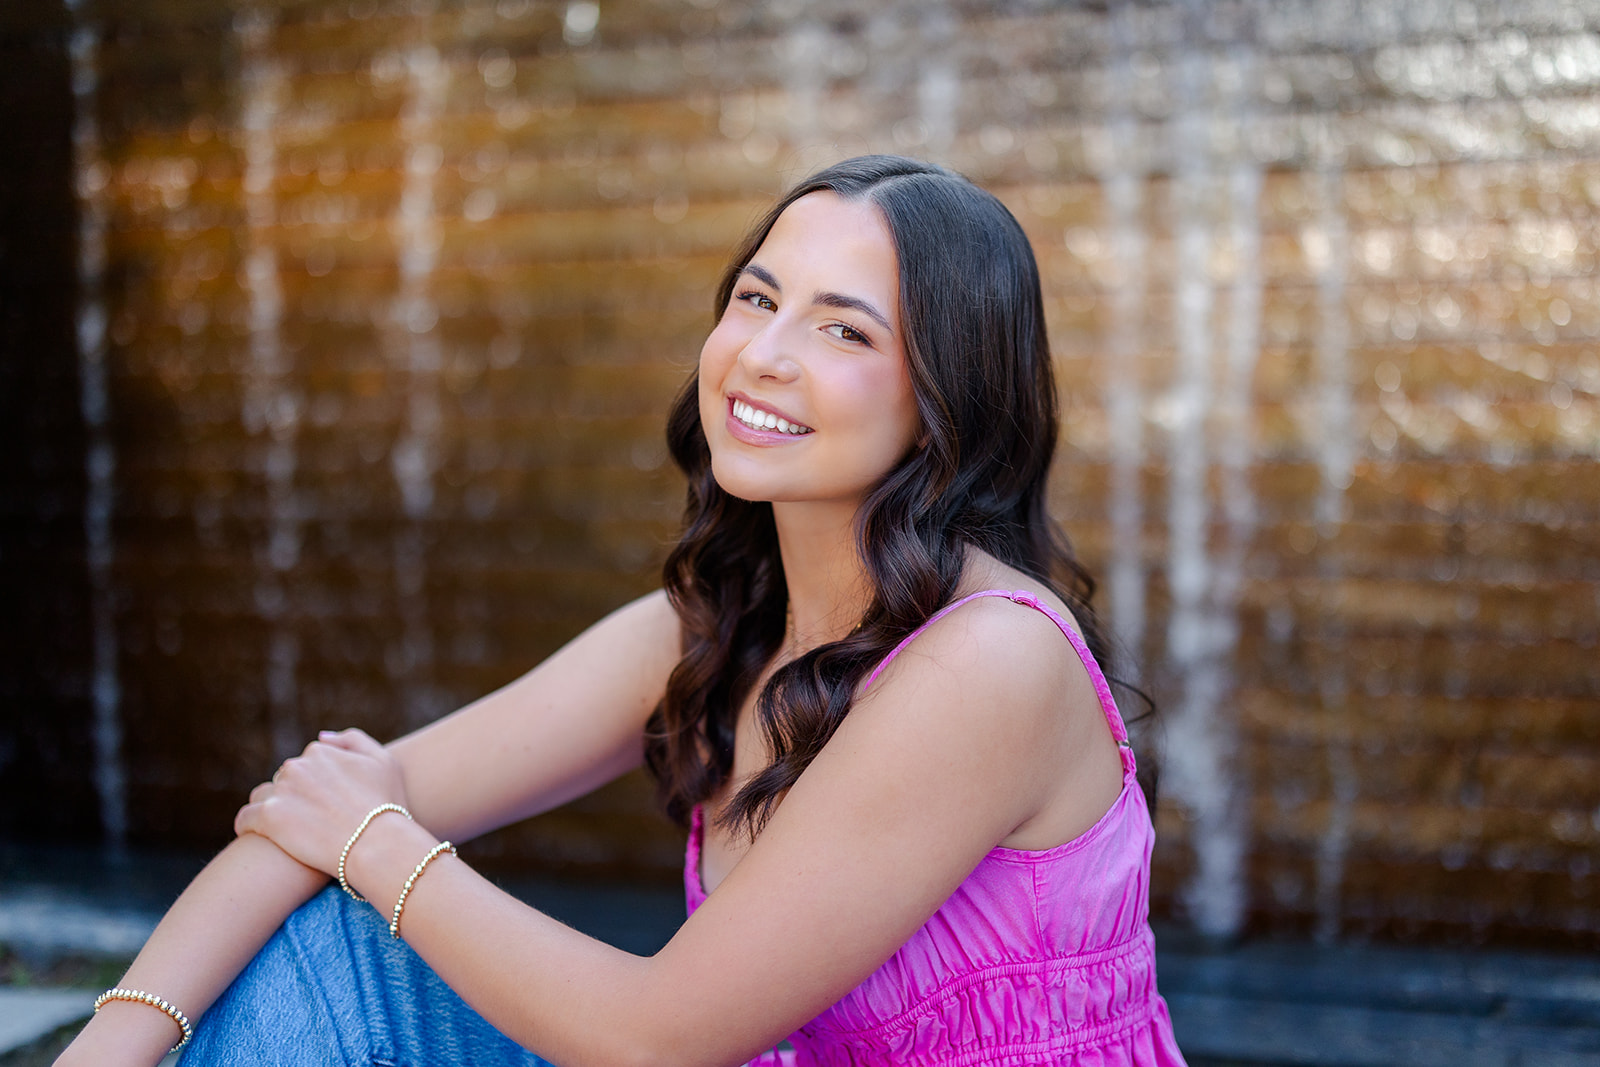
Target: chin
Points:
(754, 490)
(762, 479)
(730, 482)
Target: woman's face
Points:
(804, 392)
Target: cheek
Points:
(713, 368)
(719, 353)
(898, 412)
(885, 406)
(710, 408)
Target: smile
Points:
(757, 419)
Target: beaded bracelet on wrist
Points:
(141, 997)
(350, 844)
(405, 890)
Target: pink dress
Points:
(1038, 957)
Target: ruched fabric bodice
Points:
(1037, 957)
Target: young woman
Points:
(915, 834)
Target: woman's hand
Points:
(315, 800)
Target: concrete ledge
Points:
(1380, 1006)
(41, 920)
(1268, 1003)
(1335, 1035)
(26, 1014)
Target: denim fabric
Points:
(333, 989)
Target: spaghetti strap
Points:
(1102, 688)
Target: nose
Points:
(769, 353)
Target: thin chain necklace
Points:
(791, 639)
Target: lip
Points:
(750, 436)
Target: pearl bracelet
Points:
(154, 1001)
(350, 844)
(405, 890)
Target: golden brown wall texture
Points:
(339, 337)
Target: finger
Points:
(260, 792)
(351, 740)
(247, 819)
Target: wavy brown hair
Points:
(979, 360)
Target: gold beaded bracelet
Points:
(405, 890)
(350, 844)
(154, 1001)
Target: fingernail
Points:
(326, 733)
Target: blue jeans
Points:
(333, 989)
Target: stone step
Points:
(1267, 1004)
(1232, 1028)
(27, 1014)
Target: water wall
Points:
(339, 336)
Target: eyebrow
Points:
(825, 299)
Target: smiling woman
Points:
(870, 688)
(806, 342)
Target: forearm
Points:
(574, 1000)
(566, 996)
(219, 923)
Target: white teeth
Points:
(757, 419)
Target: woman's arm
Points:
(567, 726)
(986, 722)
(219, 922)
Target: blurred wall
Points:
(339, 336)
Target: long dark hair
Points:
(979, 361)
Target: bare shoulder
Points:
(651, 614)
(1000, 679)
(647, 627)
(1007, 647)
(622, 661)
(1012, 655)
(653, 611)
(986, 572)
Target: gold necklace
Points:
(791, 639)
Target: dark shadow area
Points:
(46, 758)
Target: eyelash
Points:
(759, 299)
(766, 303)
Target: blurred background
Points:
(338, 335)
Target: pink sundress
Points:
(1037, 958)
